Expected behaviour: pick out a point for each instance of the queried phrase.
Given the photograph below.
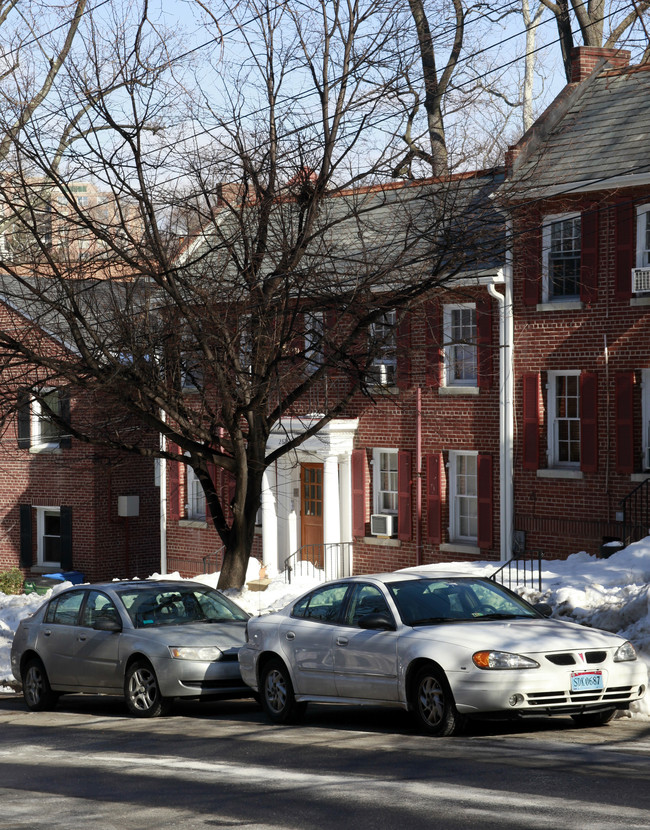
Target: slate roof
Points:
(604, 133)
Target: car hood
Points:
(529, 636)
(225, 636)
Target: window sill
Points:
(565, 305)
(452, 391)
(576, 475)
(382, 541)
(192, 523)
(460, 547)
(47, 449)
(639, 301)
(640, 476)
(52, 568)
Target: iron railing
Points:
(193, 565)
(330, 560)
(525, 569)
(636, 513)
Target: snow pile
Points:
(613, 594)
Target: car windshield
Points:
(423, 601)
(150, 606)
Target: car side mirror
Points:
(544, 608)
(107, 624)
(377, 622)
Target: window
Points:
(460, 345)
(564, 419)
(314, 330)
(643, 240)
(385, 481)
(64, 610)
(366, 599)
(463, 496)
(195, 507)
(98, 607)
(191, 372)
(36, 428)
(48, 529)
(323, 604)
(383, 344)
(561, 257)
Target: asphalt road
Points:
(221, 765)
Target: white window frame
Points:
(384, 365)
(41, 513)
(377, 490)
(195, 506)
(643, 236)
(314, 331)
(38, 419)
(451, 345)
(553, 453)
(645, 416)
(548, 221)
(462, 520)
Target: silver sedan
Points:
(445, 648)
(151, 641)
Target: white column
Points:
(331, 514)
(269, 520)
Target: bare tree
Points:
(294, 264)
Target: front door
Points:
(311, 513)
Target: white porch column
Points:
(331, 514)
(269, 520)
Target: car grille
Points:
(567, 658)
(613, 694)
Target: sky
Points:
(612, 594)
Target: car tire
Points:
(142, 692)
(432, 703)
(278, 699)
(593, 718)
(37, 691)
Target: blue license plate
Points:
(586, 681)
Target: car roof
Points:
(163, 584)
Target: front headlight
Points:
(502, 660)
(206, 654)
(624, 653)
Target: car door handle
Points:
(82, 638)
(290, 635)
(47, 632)
(342, 641)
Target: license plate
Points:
(586, 681)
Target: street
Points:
(220, 764)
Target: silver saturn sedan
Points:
(444, 647)
(151, 641)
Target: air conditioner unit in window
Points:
(640, 280)
(383, 524)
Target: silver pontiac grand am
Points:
(446, 648)
(151, 641)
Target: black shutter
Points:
(64, 414)
(26, 535)
(66, 538)
(24, 421)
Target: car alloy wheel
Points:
(433, 704)
(278, 698)
(142, 692)
(36, 687)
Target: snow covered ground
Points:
(613, 594)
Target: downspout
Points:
(418, 476)
(506, 415)
(163, 503)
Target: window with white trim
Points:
(563, 407)
(48, 530)
(383, 343)
(384, 481)
(195, 504)
(463, 496)
(561, 249)
(460, 366)
(36, 428)
(643, 236)
(314, 330)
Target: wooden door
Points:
(311, 513)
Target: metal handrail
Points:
(523, 564)
(636, 512)
(329, 560)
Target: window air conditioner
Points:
(640, 280)
(382, 524)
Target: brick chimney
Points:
(584, 60)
